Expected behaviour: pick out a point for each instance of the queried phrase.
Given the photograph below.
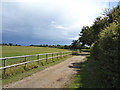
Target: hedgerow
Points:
(106, 51)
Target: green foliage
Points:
(105, 51)
(104, 38)
(10, 44)
(89, 35)
(84, 36)
(114, 16)
(76, 45)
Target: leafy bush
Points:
(105, 51)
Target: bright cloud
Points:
(60, 27)
(56, 20)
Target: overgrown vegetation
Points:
(105, 50)
(104, 38)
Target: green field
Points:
(8, 51)
(11, 51)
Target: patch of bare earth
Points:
(56, 76)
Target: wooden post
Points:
(4, 66)
(52, 57)
(38, 58)
(47, 58)
(57, 55)
(25, 63)
(61, 54)
(41, 62)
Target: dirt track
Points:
(56, 76)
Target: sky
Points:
(50, 22)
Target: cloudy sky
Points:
(28, 22)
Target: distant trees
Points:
(9, 44)
(74, 46)
(5, 44)
(53, 46)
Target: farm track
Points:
(57, 76)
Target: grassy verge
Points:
(24, 74)
(88, 76)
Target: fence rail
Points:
(62, 54)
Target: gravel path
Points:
(56, 76)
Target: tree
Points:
(76, 45)
(10, 44)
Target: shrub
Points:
(105, 50)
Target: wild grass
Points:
(88, 76)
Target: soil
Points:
(57, 76)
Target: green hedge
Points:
(105, 51)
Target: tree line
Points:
(74, 46)
(9, 44)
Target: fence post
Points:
(47, 58)
(38, 58)
(4, 66)
(25, 63)
(52, 57)
(41, 62)
(61, 54)
(57, 55)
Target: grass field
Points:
(8, 51)
(11, 51)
